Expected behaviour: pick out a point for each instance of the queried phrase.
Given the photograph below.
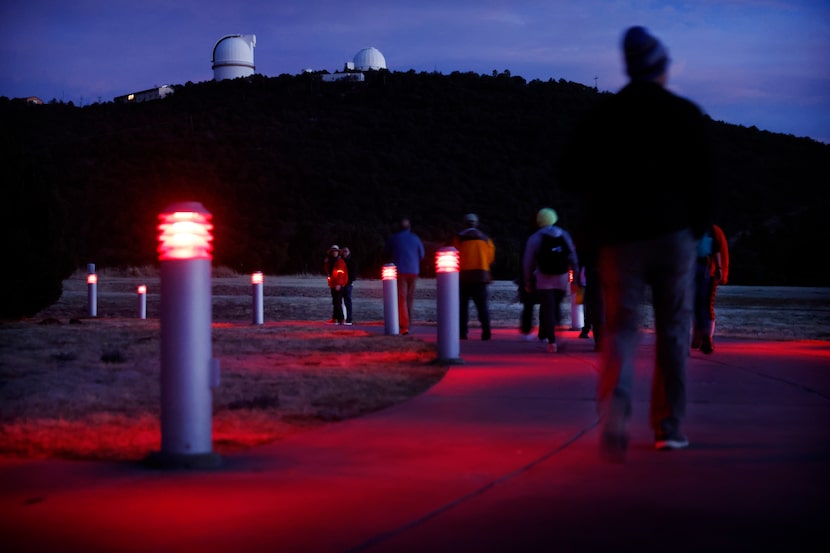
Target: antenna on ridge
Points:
(595, 82)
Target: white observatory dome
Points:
(369, 58)
(233, 56)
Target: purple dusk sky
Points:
(763, 63)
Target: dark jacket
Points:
(641, 166)
(351, 266)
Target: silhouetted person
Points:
(476, 253)
(405, 249)
(642, 163)
(550, 284)
(527, 294)
(711, 269)
(337, 278)
(351, 268)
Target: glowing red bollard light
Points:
(257, 281)
(389, 276)
(447, 266)
(188, 371)
(142, 301)
(92, 290)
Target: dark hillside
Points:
(289, 164)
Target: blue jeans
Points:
(666, 265)
(347, 301)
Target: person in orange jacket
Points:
(338, 277)
(712, 270)
(476, 253)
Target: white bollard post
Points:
(577, 313)
(142, 301)
(92, 289)
(447, 265)
(391, 323)
(257, 282)
(188, 371)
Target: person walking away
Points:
(642, 161)
(351, 271)
(405, 249)
(476, 254)
(591, 296)
(528, 299)
(549, 255)
(711, 269)
(337, 277)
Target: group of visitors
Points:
(647, 224)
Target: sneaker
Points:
(486, 335)
(404, 332)
(585, 333)
(668, 442)
(613, 447)
(706, 346)
(552, 347)
(339, 323)
(348, 323)
(528, 338)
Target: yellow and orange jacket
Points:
(476, 253)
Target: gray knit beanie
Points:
(645, 57)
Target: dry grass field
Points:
(83, 387)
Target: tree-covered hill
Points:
(288, 165)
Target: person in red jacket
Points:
(712, 269)
(338, 278)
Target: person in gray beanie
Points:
(641, 166)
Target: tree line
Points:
(288, 165)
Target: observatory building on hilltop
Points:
(369, 58)
(233, 57)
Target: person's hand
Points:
(718, 276)
(337, 287)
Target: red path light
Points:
(447, 260)
(142, 289)
(185, 233)
(389, 272)
(92, 279)
(257, 278)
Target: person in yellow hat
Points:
(551, 279)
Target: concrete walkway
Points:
(500, 456)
